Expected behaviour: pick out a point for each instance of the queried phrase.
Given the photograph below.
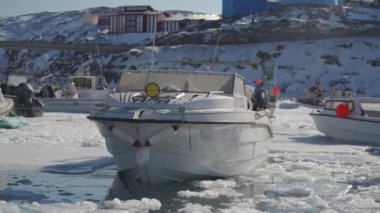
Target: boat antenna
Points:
(216, 48)
(152, 59)
(153, 45)
(100, 67)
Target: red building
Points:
(103, 20)
(135, 19)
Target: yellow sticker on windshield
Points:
(152, 90)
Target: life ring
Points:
(342, 110)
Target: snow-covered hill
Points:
(287, 34)
(62, 27)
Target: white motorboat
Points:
(6, 105)
(174, 126)
(78, 97)
(350, 119)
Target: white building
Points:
(89, 19)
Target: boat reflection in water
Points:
(127, 187)
(172, 196)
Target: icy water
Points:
(305, 172)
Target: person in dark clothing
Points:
(25, 94)
(258, 96)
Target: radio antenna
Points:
(153, 45)
(216, 48)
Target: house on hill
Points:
(144, 19)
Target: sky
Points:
(20, 7)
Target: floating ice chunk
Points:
(210, 193)
(207, 184)
(205, 194)
(132, 206)
(298, 192)
(195, 207)
(301, 165)
(84, 206)
(245, 205)
(356, 203)
(8, 207)
(143, 205)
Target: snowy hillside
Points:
(298, 63)
(62, 27)
(288, 23)
(285, 36)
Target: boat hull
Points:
(6, 105)
(159, 152)
(354, 128)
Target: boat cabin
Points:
(84, 82)
(173, 84)
(369, 107)
(174, 81)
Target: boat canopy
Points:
(15, 80)
(180, 81)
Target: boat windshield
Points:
(84, 82)
(170, 81)
(333, 104)
(371, 109)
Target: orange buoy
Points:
(276, 91)
(258, 82)
(342, 111)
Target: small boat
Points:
(350, 119)
(79, 96)
(19, 89)
(6, 105)
(175, 126)
(314, 96)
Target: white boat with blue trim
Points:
(174, 126)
